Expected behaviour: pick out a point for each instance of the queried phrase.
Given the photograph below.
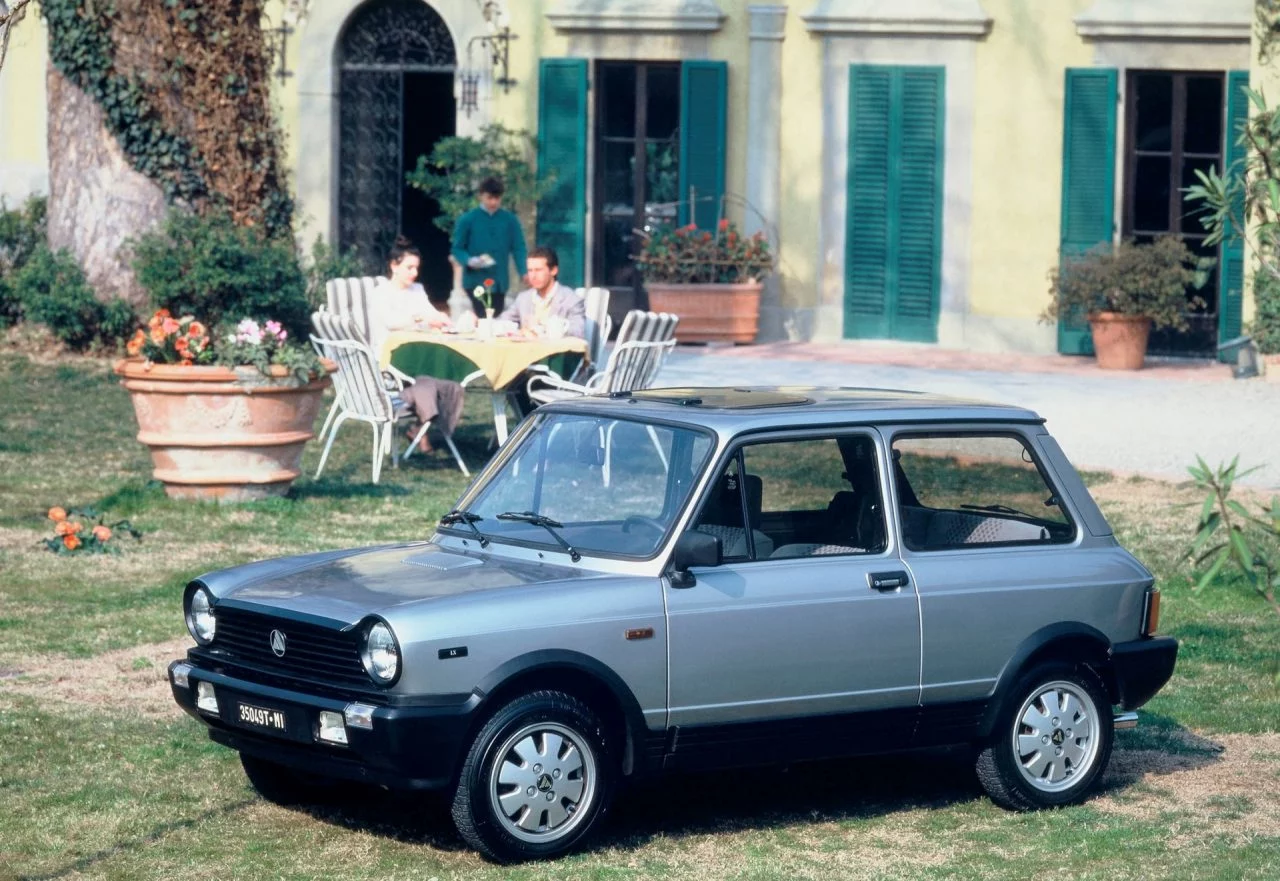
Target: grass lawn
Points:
(102, 777)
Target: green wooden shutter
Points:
(893, 240)
(562, 152)
(870, 267)
(920, 162)
(703, 110)
(1088, 180)
(1231, 273)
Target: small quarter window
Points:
(966, 490)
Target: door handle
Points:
(887, 581)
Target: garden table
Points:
(466, 357)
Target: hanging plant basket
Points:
(223, 433)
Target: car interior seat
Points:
(722, 516)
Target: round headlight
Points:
(200, 619)
(381, 655)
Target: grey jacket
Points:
(565, 303)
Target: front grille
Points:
(312, 652)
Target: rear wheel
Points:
(537, 780)
(1052, 741)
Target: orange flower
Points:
(101, 533)
(724, 224)
(488, 282)
(170, 326)
(71, 542)
(162, 313)
(66, 527)
(135, 346)
(180, 346)
(195, 328)
(57, 514)
(157, 336)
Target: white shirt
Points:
(392, 308)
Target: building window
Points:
(1174, 126)
(637, 150)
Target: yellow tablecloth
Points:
(502, 360)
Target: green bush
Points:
(219, 272)
(1265, 327)
(52, 291)
(22, 231)
(1151, 279)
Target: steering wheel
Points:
(654, 524)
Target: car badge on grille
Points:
(277, 643)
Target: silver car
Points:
(695, 578)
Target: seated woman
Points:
(400, 303)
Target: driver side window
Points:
(797, 498)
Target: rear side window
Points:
(967, 490)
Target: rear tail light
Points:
(1151, 612)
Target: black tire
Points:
(568, 745)
(1052, 740)
(285, 786)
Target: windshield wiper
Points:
(1002, 509)
(546, 523)
(457, 515)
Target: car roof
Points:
(751, 407)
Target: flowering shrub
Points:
(1149, 279)
(688, 255)
(169, 340)
(75, 532)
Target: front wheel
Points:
(538, 778)
(1052, 741)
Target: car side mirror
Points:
(693, 548)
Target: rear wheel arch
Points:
(1068, 642)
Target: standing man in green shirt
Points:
(485, 240)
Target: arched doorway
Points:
(397, 61)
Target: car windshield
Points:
(604, 486)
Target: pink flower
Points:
(247, 331)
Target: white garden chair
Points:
(644, 342)
(642, 347)
(596, 329)
(349, 297)
(361, 393)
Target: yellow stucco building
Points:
(919, 163)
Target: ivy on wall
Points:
(184, 87)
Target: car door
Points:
(994, 552)
(811, 647)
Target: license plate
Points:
(261, 717)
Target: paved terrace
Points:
(1151, 422)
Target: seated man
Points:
(547, 308)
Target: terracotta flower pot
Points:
(223, 433)
(710, 313)
(1119, 341)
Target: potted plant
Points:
(1124, 291)
(225, 418)
(226, 403)
(711, 279)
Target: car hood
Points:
(348, 585)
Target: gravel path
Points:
(1151, 427)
